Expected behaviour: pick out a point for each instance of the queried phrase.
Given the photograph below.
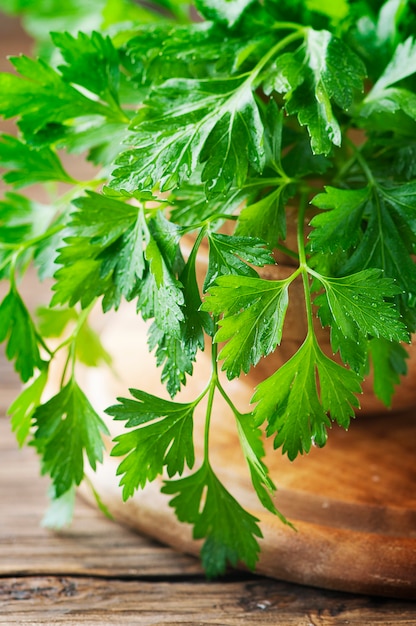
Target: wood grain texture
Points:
(69, 600)
(93, 545)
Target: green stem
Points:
(286, 26)
(303, 265)
(228, 400)
(283, 43)
(278, 181)
(286, 251)
(363, 163)
(71, 341)
(212, 386)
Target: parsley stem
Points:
(286, 251)
(283, 43)
(362, 161)
(71, 341)
(210, 402)
(303, 265)
(285, 26)
(279, 181)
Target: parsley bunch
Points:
(209, 122)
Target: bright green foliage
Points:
(22, 222)
(174, 354)
(22, 408)
(161, 294)
(227, 12)
(66, 427)
(294, 408)
(17, 328)
(163, 439)
(390, 229)
(384, 97)
(88, 347)
(254, 311)
(357, 306)
(29, 165)
(91, 62)
(325, 71)
(177, 353)
(389, 363)
(191, 206)
(104, 234)
(266, 217)
(338, 228)
(210, 125)
(230, 532)
(41, 98)
(188, 122)
(46, 16)
(252, 445)
(231, 255)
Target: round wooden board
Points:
(353, 502)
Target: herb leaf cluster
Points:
(207, 123)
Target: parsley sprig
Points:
(221, 138)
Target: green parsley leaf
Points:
(383, 97)
(42, 98)
(390, 230)
(157, 52)
(328, 70)
(163, 439)
(266, 217)
(388, 359)
(174, 355)
(290, 402)
(187, 122)
(353, 351)
(88, 347)
(402, 65)
(252, 445)
(230, 255)
(18, 329)
(23, 224)
(103, 252)
(160, 294)
(191, 206)
(254, 312)
(23, 407)
(66, 427)
(29, 165)
(359, 305)
(226, 12)
(53, 322)
(177, 354)
(338, 227)
(230, 532)
(91, 62)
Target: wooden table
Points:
(98, 572)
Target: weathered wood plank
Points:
(70, 600)
(92, 545)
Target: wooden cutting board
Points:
(353, 502)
